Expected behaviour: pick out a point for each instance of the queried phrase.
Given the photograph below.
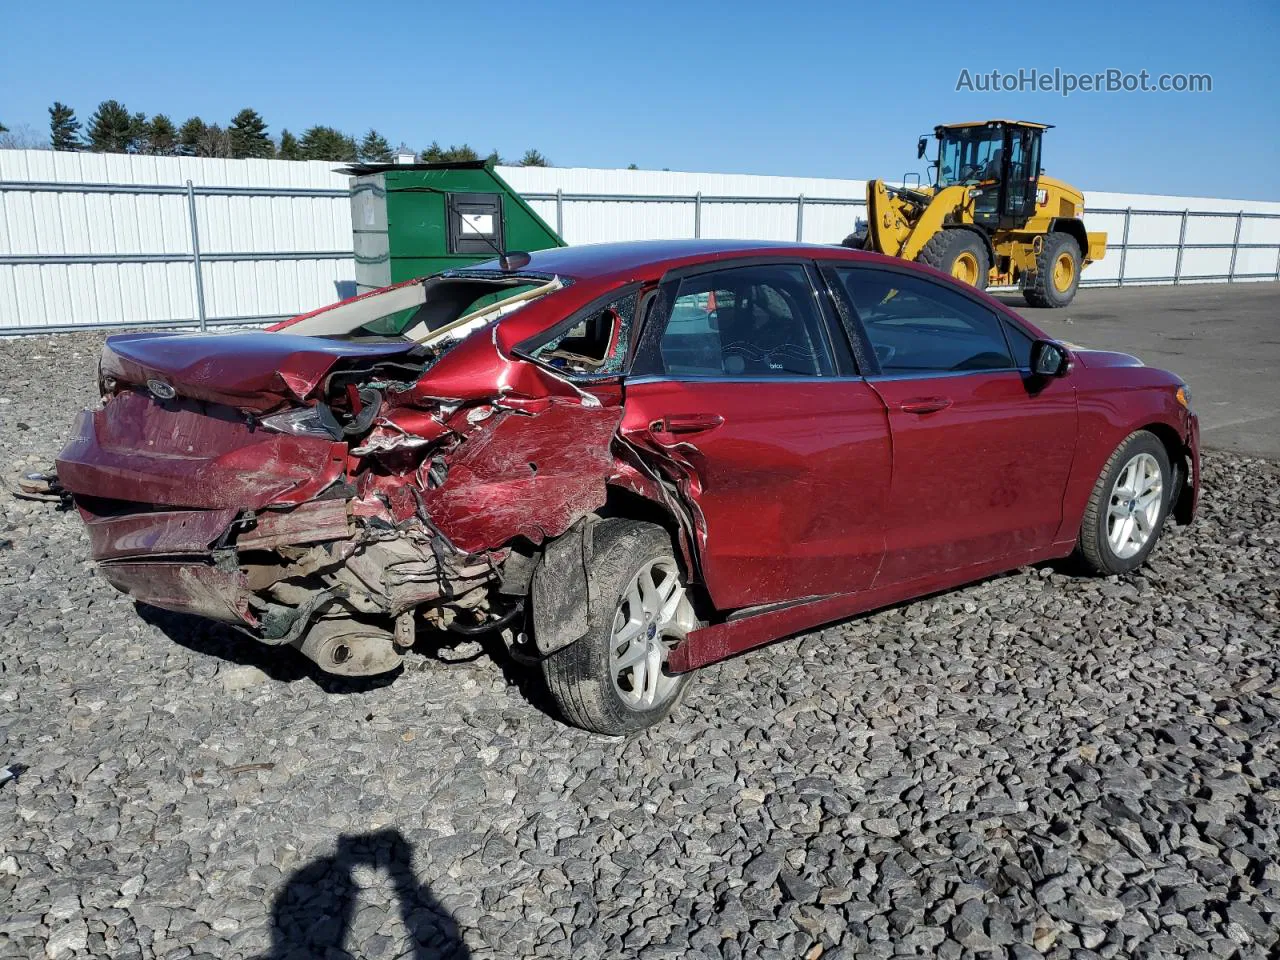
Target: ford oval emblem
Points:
(161, 390)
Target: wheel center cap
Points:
(652, 632)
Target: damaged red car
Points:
(628, 460)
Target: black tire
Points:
(947, 246)
(1040, 290)
(857, 241)
(1094, 549)
(578, 676)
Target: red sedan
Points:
(628, 460)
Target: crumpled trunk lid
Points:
(253, 371)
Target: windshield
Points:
(970, 155)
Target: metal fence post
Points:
(195, 255)
(1182, 239)
(1235, 248)
(800, 219)
(697, 215)
(560, 213)
(1124, 244)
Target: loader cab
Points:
(1000, 160)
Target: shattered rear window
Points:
(597, 344)
(463, 297)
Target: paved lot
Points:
(1038, 765)
(1224, 340)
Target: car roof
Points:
(651, 258)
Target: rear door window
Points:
(754, 321)
(596, 344)
(917, 326)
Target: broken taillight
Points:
(317, 421)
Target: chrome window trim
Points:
(710, 378)
(939, 374)
(858, 378)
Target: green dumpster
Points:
(413, 220)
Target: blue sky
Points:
(839, 89)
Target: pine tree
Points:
(632, 166)
(162, 136)
(64, 128)
(532, 158)
(111, 128)
(139, 134)
(464, 153)
(327, 143)
(249, 138)
(189, 136)
(433, 153)
(289, 149)
(375, 149)
(493, 158)
(3, 128)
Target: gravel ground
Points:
(1036, 765)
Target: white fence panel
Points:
(275, 237)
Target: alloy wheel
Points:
(1137, 497)
(653, 615)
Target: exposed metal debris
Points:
(336, 494)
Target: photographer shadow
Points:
(313, 912)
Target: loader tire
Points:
(858, 240)
(960, 253)
(1057, 275)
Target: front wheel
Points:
(614, 680)
(960, 253)
(1127, 510)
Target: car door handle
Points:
(686, 423)
(925, 404)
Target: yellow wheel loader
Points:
(991, 218)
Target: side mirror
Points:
(921, 145)
(1049, 359)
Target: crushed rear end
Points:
(335, 493)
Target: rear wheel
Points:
(960, 253)
(1057, 275)
(1127, 509)
(614, 679)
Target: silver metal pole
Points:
(1235, 248)
(195, 255)
(560, 213)
(1124, 244)
(697, 215)
(800, 219)
(1182, 239)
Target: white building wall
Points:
(311, 235)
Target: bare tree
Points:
(215, 142)
(22, 137)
